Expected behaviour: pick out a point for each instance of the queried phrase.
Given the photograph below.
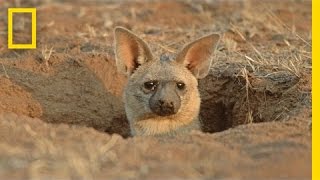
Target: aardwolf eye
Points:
(151, 85)
(181, 85)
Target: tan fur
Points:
(135, 59)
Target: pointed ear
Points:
(130, 51)
(197, 56)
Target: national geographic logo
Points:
(33, 12)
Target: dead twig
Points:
(5, 72)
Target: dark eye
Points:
(181, 85)
(150, 85)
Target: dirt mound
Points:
(32, 149)
(16, 99)
(105, 69)
(73, 94)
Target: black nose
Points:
(165, 108)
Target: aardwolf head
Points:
(162, 96)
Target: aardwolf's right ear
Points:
(130, 51)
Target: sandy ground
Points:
(61, 111)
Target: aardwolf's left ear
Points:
(198, 55)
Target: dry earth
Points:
(62, 116)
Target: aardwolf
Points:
(162, 97)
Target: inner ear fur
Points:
(197, 56)
(130, 51)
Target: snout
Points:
(165, 107)
(165, 101)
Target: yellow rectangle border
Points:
(33, 12)
(315, 89)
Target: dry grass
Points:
(5, 71)
(244, 74)
(46, 54)
(293, 55)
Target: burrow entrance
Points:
(88, 94)
(233, 94)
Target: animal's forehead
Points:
(166, 71)
(166, 57)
